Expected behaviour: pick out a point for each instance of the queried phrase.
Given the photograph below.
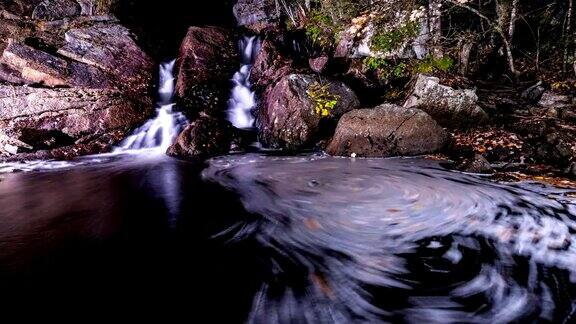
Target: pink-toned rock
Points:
(288, 118)
(318, 64)
(208, 58)
(387, 130)
(204, 137)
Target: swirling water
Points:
(402, 240)
(272, 239)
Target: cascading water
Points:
(160, 132)
(243, 100)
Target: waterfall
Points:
(159, 133)
(243, 100)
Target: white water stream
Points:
(158, 133)
(243, 101)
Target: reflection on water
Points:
(401, 240)
(270, 239)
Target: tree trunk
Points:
(513, 18)
(465, 51)
(568, 34)
(435, 27)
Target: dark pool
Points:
(270, 239)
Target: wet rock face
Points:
(387, 130)
(51, 118)
(70, 85)
(19, 7)
(38, 67)
(448, 106)
(205, 137)
(207, 60)
(288, 118)
(111, 49)
(256, 15)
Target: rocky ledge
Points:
(70, 83)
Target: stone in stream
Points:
(477, 164)
(448, 106)
(387, 130)
(288, 118)
(204, 137)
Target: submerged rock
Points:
(448, 106)
(387, 130)
(477, 164)
(288, 118)
(204, 137)
(208, 58)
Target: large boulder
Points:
(204, 137)
(256, 15)
(448, 106)
(287, 116)
(269, 66)
(208, 58)
(387, 130)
